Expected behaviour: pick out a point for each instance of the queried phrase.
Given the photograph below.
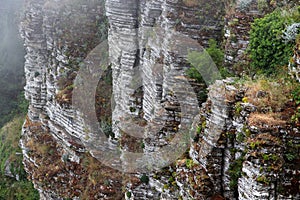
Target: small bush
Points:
(235, 171)
(189, 163)
(291, 156)
(267, 48)
(213, 53)
(107, 129)
(36, 74)
(128, 194)
(296, 95)
(263, 179)
(144, 179)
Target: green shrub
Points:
(144, 179)
(189, 163)
(107, 128)
(291, 156)
(22, 104)
(296, 117)
(203, 60)
(36, 74)
(128, 194)
(296, 95)
(240, 137)
(263, 179)
(295, 14)
(18, 190)
(194, 74)
(235, 171)
(18, 105)
(267, 48)
(215, 53)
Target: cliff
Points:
(157, 140)
(57, 37)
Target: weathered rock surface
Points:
(228, 157)
(239, 16)
(58, 36)
(149, 40)
(294, 65)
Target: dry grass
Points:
(191, 3)
(262, 119)
(266, 94)
(31, 124)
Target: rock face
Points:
(149, 43)
(239, 17)
(244, 157)
(150, 40)
(229, 156)
(294, 65)
(57, 37)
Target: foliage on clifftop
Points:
(273, 91)
(268, 49)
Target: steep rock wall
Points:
(148, 42)
(58, 36)
(294, 65)
(134, 54)
(244, 155)
(239, 16)
(230, 156)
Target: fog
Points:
(11, 57)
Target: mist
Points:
(11, 57)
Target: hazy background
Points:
(11, 58)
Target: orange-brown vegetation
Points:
(191, 3)
(273, 101)
(266, 94)
(265, 119)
